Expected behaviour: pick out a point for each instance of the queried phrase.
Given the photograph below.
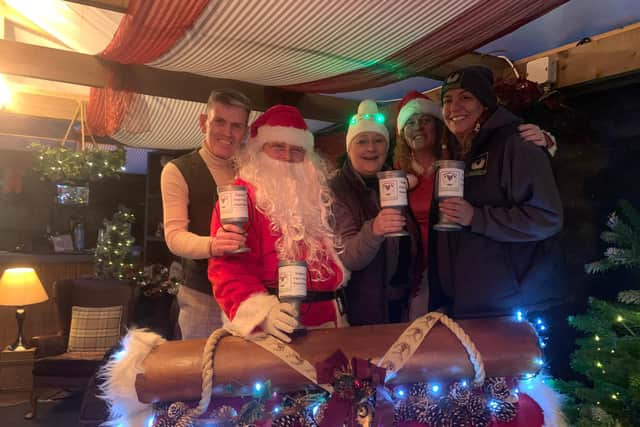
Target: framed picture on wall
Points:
(62, 243)
(73, 195)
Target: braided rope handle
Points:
(207, 372)
(407, 344)
(472, 351)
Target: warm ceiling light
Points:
(5, 93)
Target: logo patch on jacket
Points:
(479, 165)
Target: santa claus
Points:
(290, 219)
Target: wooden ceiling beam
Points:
(53, 107)
(115, 5)
(607, 56)
(88, 70)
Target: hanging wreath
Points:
(61, 164)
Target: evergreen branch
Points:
(631, 213)
(629, 297)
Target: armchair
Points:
(54, 366)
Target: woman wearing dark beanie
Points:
(506, 257)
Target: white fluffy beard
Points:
(296, 199)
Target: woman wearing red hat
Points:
(421, 140)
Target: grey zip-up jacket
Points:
(373, 260)
(509, 258)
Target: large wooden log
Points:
(172, 370)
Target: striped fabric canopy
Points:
(324, 46)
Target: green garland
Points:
(59, 164)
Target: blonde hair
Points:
(403, 155)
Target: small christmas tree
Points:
(113, 252)
(609, 356)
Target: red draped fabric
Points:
(106, 110)
(148, 30)
(478, 26)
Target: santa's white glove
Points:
(280, 321)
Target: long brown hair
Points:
(402, 155)
(463, 147)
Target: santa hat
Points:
(281, 123)
(416, 102)
(368, 119)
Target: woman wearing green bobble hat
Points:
(384, 269)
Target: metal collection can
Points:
(233, 204)
(292, 280)
(450, 179)
(393, 189)
(449, 183)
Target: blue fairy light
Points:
(435, 388)
(400, 393)
(464, 383)
(120, 355)
(519, 315)
(257, 386)
(151, 420)
(538, 361)
(276, 410)
(315, 410)
(493, 405)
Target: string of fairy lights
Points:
(496, 403)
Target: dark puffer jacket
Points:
(509, 257)
(373, 260)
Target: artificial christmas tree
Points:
(113, 252)
(609, 355)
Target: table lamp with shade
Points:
(19, 287)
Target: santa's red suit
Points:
(240, 281)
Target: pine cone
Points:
(162, 421)
(482, 419)
(403, 412)
(461, 417)
(185, 421)
(177, 409)
(419, 390)
(460, 393)
(292, 420)
(505, 411)
(497, 387)
(439, 414)
(476, 405)
(224, 416)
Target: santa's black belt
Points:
(339, 295)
